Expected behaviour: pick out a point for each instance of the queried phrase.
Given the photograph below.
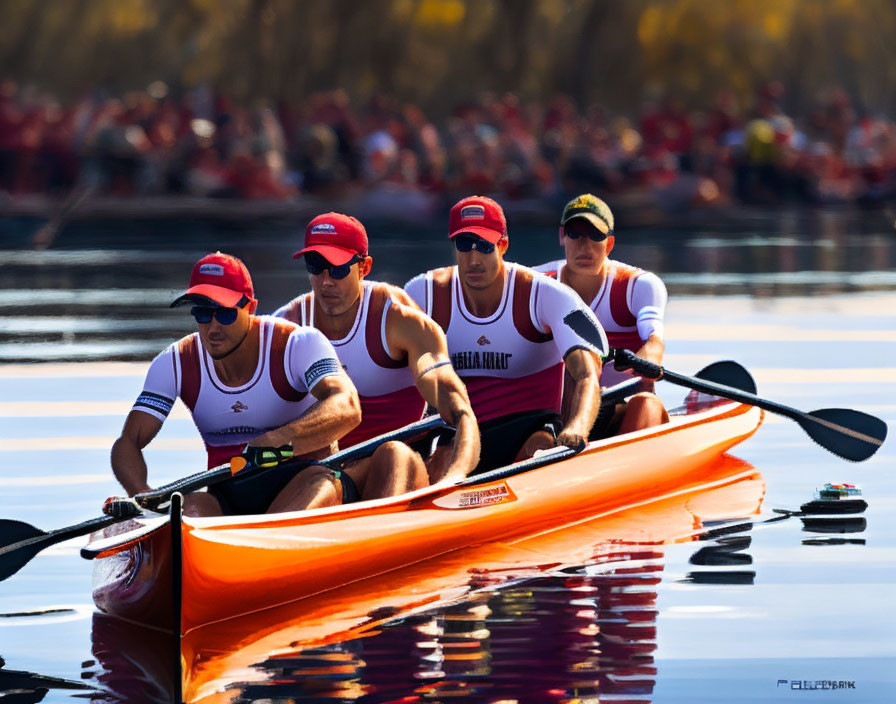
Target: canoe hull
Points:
(242, 564)
(285, 560)
(135, 584)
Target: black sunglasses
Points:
(589, 231)
(467, 243)
(204, 314)
(317, 265)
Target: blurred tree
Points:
(437, 52)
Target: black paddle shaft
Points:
(156, 498)
(20, 541)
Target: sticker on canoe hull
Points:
(474, 498)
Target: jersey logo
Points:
(480, 360)
(483, 340)
(239, 407)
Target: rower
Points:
(395, 355)
(510, 333)
(249, 382)
(630, 304)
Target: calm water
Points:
(702, 598)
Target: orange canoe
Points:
(237, 565)
(223, 658)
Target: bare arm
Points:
(653, 349)
(337, 411)
(128, 463)
(584, 368)
(399, 295)
(409, 330)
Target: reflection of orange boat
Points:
(237, 565)
(623, 545)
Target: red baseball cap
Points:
(336, 237)
(480, 216)
(222, 278)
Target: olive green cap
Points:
(593, 209)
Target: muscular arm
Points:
(409, 330)
(399, 295)
(128, 463)
(584, 368)
(648, 302)
(336, 412)
(653, 349)
(577, 331)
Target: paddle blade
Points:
(728, 373)
(15, 531)
(850, 434)
(14, 555)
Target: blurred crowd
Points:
(201, 143)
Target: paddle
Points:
(719, 372)
(20, 541)
(850, 434)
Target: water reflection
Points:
(20, 687)
(727, 544)
(134, 664)
(105, 295)
(724, 552)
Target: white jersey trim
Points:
(506, 296)
(387, 306)
(264, 345)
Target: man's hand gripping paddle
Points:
(20, 541)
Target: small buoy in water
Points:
(836, 499)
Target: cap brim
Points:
(485, 233)
(333, 254)
(598, 223)
(216, 294)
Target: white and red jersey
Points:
(511, 361)
(386, 388)
(291, 360)
(630, 305)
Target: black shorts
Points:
(254, 493)
(502, 438)
(608, 420)
(350, 493)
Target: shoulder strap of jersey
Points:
(441, 296)
(373, 328)
(522, 315)
(298, 308)
(190, 373)
(623, 276)
(280, 331)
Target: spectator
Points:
(206, 144)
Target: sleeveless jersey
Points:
(630, 306)
(511, 361)
(291, 361)
(386, 388)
